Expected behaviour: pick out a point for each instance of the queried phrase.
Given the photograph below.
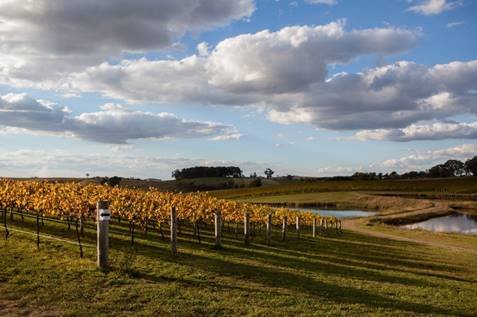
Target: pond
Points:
(340, 214)
(461, 223)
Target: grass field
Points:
(444, 187)
(351, 274)
(368, 270)
(398, 201)
(182, 185)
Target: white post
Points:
(103, 216)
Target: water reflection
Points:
(461, 223)
(340, 214)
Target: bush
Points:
(257, 182)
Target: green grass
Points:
(350, 274)
(182, 185)
(444, 187)
(303, 199)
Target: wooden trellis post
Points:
(269, 229)
(314, 227)
(246, 228)
(297, 224)
(102, 220)
(218, 229)
(174, 231)
(284, 228)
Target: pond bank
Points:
(392, 210)
(454, 223)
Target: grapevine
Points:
(77, 202)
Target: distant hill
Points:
(183, 185)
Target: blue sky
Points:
(330, 88)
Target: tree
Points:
(207, 171)
(176, 173)
(257, 182)
(112, 181)
(269, 172)
(454, 167)
(448, 169)
(440, 171)
(470, 166)
(394, 175)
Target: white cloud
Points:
(389, 97)
(284, 74)
(114, 124)
(327, 2)
(422, 160)
(336, 171)
(266, 70)
(265, 67)
(287, 144)
(293, 58)
(294, 115)
(434, 7)
(127, 163)
(430, 131)
(455, 24)
(163, 81)
(416, 160)
(43, 40)
(203, 49)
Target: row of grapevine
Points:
(74, 201)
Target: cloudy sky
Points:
(306, 87)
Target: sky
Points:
(138, 88)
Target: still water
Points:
(461, 223)
(340, 214)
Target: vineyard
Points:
(301, 275)
(75, 203)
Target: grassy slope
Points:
(399, 201)
(466, 186)
(348, 274)
(183, 185)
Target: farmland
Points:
(350, 274)
(441, 187)
(366, 270)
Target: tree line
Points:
(207, 171)
(451, 168)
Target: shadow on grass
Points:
(296, 265)
(280, 279)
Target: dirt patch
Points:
(435, 209)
